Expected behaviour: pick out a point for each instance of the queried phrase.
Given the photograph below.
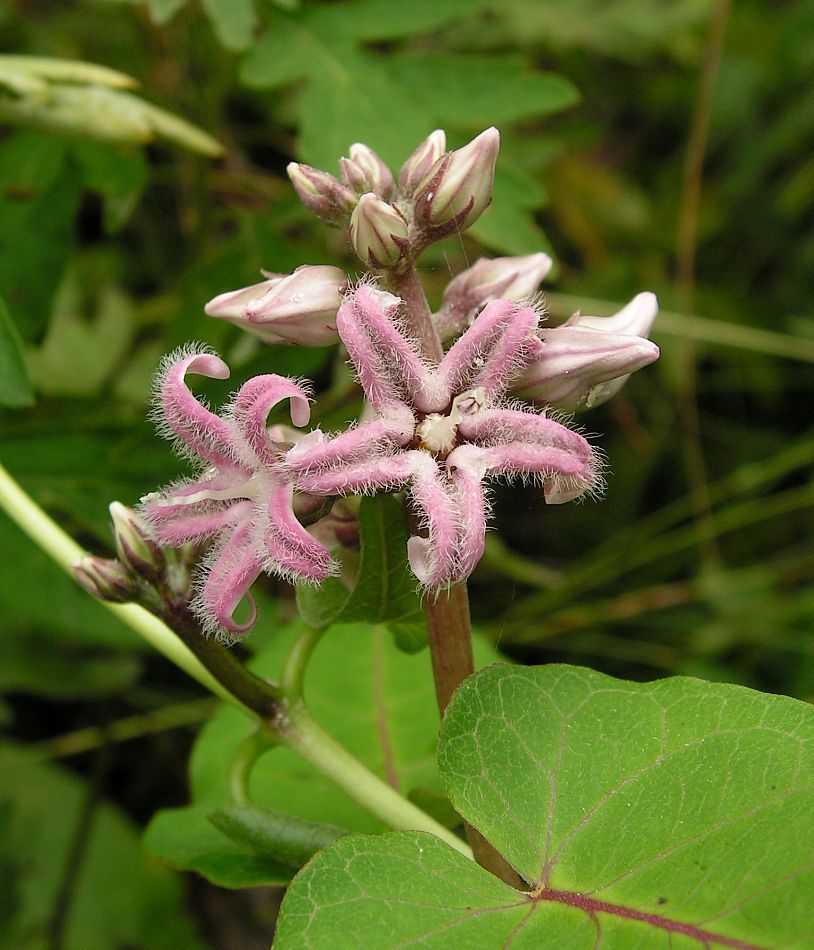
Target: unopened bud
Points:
(365, 172)
(499, 278)
(134, 546)
(579, 367)
(299, 308)
(417, 167)
(459, 186)
(634, 319)
(378, 232)
(108, 580)
(323, 194)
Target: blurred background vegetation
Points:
(117, 227)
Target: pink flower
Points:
(441, 430)
(238, 500)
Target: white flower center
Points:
(439, 433)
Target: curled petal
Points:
(290, 548)
(492, 350)
(432, 558)
(389, 368)
(566, 475)
(254, 401)
(182, 416)
(495, 426)
(235, 568)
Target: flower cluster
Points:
(438, 424)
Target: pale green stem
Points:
(240, 768)
(294, 727)
(305, 737)
(293, 675)
(66, 553)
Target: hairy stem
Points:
(450, 636)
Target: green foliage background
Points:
(108, 252)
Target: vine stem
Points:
(207, 661)
(62, 548)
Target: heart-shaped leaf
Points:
(676, 813)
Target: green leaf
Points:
(15, 385)
(481, 91)
(234, 21)
(387, 718)
(117, 894)
(291, 841)
(185, 839)
(639, 813)
(385, 589)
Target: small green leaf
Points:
(15, 385)
(289, 840)
(385, 589)
(234, 21)
(186, 840)
(641, 814)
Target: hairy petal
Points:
(290, 548)
(474, 512)
(496, 426)
(251, 406)
(492, 350)
(566, 475)
(235, 568)
(432, 558)
(182, 416)
(389, 368)
(315, 453)
(384, 473)
(174, 525)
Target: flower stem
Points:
(406, 284)
(305, 737)
(450, 636)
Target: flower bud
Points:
(323, 194)
(378, 232)
(136, 550)
(459, 185)
(578, 367)
(299, 308)
(499, 278)
(108, 580)
(417, 167)
(365, 172)
(634, 319)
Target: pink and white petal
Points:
(309, 455)
(177, 525)
(493, 426)
(474, 512)
(433, 558)
(566, 475)
(383, 473)
(252, 404)
(492, 350)
(232, 571)
(290, 549)
(388, 365)
(183, 417)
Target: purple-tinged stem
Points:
(450, 636)
(405, 283)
